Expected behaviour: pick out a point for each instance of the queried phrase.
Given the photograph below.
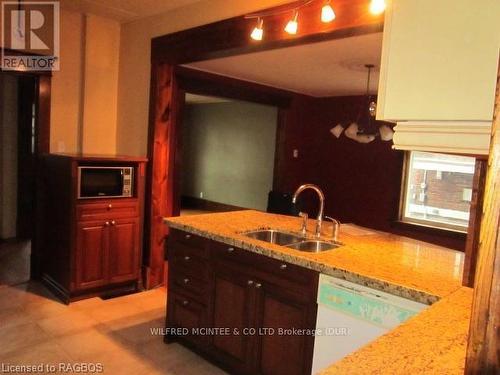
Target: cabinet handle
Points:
(230, 249)
(106, 223)
(110, 206)
(187, 236)
(258, 285)
(113, 222)
(185, 302)
(186, 280)
(186, 258)
(250, 282)
(283, 266)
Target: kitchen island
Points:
(397, 265)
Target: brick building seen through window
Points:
(438, 190)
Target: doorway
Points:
(23, 135)
(228, 153)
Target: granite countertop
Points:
(398, 265)
(432, 342)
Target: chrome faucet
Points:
(335, 227)
(321, 203)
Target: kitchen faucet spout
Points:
(321, 203)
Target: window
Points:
(437, 190)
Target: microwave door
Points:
(101, 182)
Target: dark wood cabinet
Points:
(123, 250)
(233, 309)
(106, 252)
(92, 242)
(286, 352)
(90, 246)
(265, 305)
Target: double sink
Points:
(292, 241)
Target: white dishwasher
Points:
(352, 315)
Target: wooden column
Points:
(483, 351)
(476, 212)
(161, 152)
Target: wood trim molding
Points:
(206, 205)
(232, 36)
(443, 136)
(483, 350)
(203, 83)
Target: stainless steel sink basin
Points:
(292, 241)
(274, 236)
(313, 246)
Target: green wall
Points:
(228, 152)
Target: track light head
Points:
(377, 7)
(258, 31)
(292, 26)
(327, 13)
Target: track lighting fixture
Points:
(292, 25)
(377, 7)
(327, 13)
(258, 31)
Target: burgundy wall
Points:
(361, 181)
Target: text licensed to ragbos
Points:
(53, 368)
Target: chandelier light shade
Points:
(337, 130)
(258, 31)
(365, 128)
(327, 13)
(292, 26)
(386, 133)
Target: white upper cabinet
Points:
(438, 73)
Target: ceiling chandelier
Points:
(365, 128)
(376, 7)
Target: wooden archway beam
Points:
(483, 351)
(224, 38)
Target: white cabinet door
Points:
(439, 60)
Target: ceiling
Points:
(332, 68)
(124, 10)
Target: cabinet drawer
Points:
(188, 264)
(266, 267)
(184, 312)
(183, 282)
(107, 210)
(181, 249)
(198, 245)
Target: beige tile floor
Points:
(35, 328)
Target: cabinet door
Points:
(184, 312)
(123, 264)
(439, 61)
(233, 303)
(284, 352)
(91, 254)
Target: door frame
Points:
(228, 37)
(42, 146)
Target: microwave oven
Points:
(105, 182)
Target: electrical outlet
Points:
(201, 194)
